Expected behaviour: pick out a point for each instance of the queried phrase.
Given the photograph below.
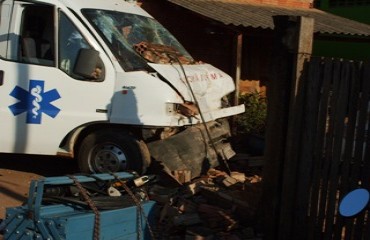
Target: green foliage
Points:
(253, 120)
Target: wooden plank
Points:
(366, 168)
(360, 136)
(347, 224)
(339, 119)
(349, 134)
(327, 151)
(317, 173)
(360, 161)
(367, 223)
(308, 134)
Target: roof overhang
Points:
(245, 14)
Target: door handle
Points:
(1, 77)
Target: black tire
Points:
(112, 151)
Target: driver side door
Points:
(42, 98)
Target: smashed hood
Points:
(208, 83)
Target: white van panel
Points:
(40, 105)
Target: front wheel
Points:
(112, 151)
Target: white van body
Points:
(50, 106)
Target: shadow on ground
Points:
(47, 166)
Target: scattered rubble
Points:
(214, 206)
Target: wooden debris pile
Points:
(216, 206)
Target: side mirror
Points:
(87, 61)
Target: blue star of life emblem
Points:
(35, 102)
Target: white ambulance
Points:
(103, 82)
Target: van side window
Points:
(37, 35)
(71, 44)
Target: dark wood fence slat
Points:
(367, 224)
(366, 168)
(327, 151)
(360, 162)
(349, 144)
(366, 114)
(349, 229)
(305, 156)
(360, 133)
(348, 136)
(314, 224)
(339, 116)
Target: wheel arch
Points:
(70, 145)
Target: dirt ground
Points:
(17, 171)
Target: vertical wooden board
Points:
(314, 224)
(305, 157)
(327, 149)
(366, 234)
(329, 146)
(289, 178)
(348, 136)
(339, 118)
(292, 149)
(361, 127)
(351, 125)
(319, 187)
(365, 178)
(366, 167)
(361, 149)
(349, 144)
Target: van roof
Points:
(114, 5)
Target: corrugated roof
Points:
(244, 13)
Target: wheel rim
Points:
(108, 158)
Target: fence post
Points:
(278, 95)
(291, 181)
(290, 41)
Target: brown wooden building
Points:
(236, 35)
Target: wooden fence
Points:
(335, 147)
(327, 153)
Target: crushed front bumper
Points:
(192, 149)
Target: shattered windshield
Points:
(135, 39)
